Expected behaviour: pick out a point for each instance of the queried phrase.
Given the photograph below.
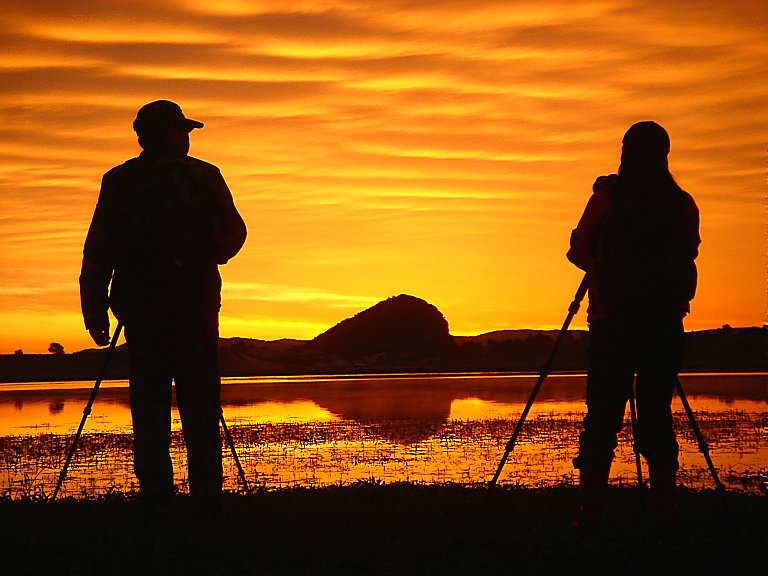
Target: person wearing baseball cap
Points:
(161, 113)
(163, 224)
(162, 122)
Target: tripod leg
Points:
(231, 443)
(635, 447)
(87, 411)
(572, 310)
(703, 447)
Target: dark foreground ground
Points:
(396, 529)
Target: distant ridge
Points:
(402, 334)
(520, 334)
(403, 326)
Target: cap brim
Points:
(192, 124)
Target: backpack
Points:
(644, 263)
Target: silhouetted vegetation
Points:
(55, 348)
(370, 528)
(729, 349)
(82, 365)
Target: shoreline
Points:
(328, 376)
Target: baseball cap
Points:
(162, 113)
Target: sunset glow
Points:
(441, 149)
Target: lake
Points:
(320, 430)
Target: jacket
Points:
(162, 225)
(587, 248)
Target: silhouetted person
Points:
(163, 224)
(637, 239)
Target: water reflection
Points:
(57, 407)
(312, 431)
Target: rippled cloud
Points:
(439, 148)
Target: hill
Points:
(403, 327)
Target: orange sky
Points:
(441, 149)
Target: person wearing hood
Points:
(637, 240)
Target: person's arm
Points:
(97, 267)
(230, 229)
(580, 252)
(690, 220)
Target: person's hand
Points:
(100, 335)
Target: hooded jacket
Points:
(663, 281)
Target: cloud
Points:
(292, 294)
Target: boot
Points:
(593, 485)
(664, 494)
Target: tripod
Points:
(89, 406)
(572, 310)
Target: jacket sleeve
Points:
(98, 261)
(583, 237)
(230, 230)
(691, 223)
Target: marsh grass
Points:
(342, 452)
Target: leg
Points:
(660, 352)
(198, 395)
(609, 380)
(660, 356)
(150, 393)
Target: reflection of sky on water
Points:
(63, 417)
(296, 411)
(58, 407)
(314, 431)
